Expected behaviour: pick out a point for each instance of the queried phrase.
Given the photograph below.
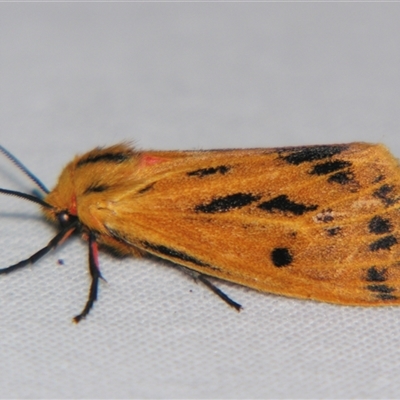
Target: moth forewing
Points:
(311, 222)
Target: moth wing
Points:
(313, 222)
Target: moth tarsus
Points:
(198, 277)
(219, 293)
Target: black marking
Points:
(281, 257)
(325, 216)
(379, 225)
(313, 153)
(329, 167)
(379, 178)
(381, 288)
(146, 188)
(384, 243)
(227, 203)
(167, 251)
(117, 235)
(282, 203)
(385, 296)
(376, 275)
(342, 178)
(334, 231)
(96, 188)
(221, 169)
(117, 158)
(383, 193)
(383, 292)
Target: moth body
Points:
(316, 222)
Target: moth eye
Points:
(63, 218)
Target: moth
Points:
(313, 222)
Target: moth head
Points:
(62, 198)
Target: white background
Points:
(185, 76)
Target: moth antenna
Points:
(61, 236)
(95, 275)
(25, 170)
(26, 196)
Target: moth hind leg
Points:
(199, 277)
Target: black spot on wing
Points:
(342, 178)
(333, 231)
(379, 225)
(281, 257)
(96, 188)
(104, 157)
(384, 193)
(379, 178)
(300, 155)
(178, 255)
(282, 203)
(376, 275)
(146, 188)
(386, 296)
(221, 169)
(227, 203)
(381, 288)
(382, 292)
(384, 243)
(325, 216)
(329, 167)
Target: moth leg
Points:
(95, 274)
(60, 237)
(197, 276)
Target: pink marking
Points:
(151, 160)
(95, 250)
(72, 209)
(66, 236)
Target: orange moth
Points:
(317, 222)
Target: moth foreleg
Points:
(95, 274)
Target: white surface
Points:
(177, 76)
